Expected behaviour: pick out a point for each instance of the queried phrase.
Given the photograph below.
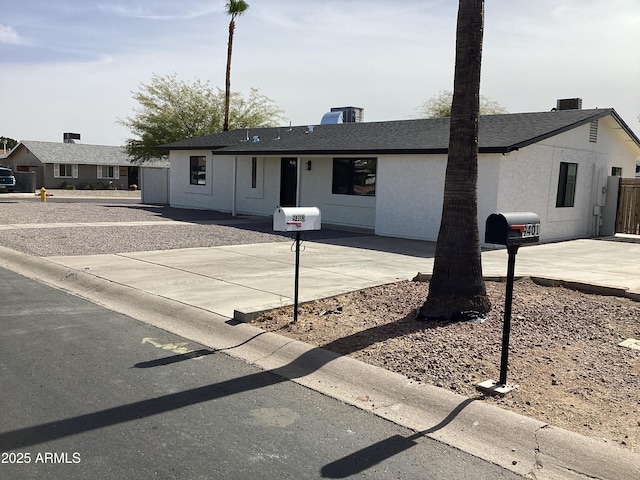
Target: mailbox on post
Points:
(513, 228)
(296, 219)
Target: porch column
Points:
(233, 189)
(298, 176)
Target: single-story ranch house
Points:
(389, 176)
(57, 165)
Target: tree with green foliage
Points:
(457, 285)
(439, 106)
(234, 8)
(171, 110)
(8, 143)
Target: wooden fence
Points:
(628, 216)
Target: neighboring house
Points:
(389, 176)
(56, 165)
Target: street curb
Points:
(523, 445)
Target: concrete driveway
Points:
(240, 280)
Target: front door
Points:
(288, 182)
(132, 176)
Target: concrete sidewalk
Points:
(196, 293)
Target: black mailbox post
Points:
(511, 229)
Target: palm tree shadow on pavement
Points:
(307, 363)
(372, 455)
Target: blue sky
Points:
(71, 65)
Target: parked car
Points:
(7, 180)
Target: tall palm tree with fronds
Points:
(457, 284)
(234, 8)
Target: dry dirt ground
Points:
(564, 350)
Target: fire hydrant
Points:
(43, 194)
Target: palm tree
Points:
(234, 8)
(457, 284)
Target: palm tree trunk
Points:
(457, 284)
(227, 90)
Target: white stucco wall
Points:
(216, 194)
(409, 194)
(265, 197)
(529, 179)
(489, 172)
(411, 191)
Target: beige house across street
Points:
(72, 165)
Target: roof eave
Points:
(563, 129)
(298, 153)
(625, 127)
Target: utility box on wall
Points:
(610, 209)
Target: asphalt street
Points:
(90, 393)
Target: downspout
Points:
(298, 177)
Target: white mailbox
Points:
(296, 219)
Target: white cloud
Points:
(174, 11)
(9, 36)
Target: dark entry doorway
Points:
(288, 181)
(133, 176)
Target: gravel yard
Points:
(200, 228)
(563, 354)
(564, 344)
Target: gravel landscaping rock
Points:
(200, 228)
(563, 354)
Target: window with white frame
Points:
(108, 171)
(65, 170)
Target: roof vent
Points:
(331, 118)
(70, 137)
(309, 129)
(256, 139)
(569, 104)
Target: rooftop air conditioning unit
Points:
(569, 104)
(350, 114)
(70, 137)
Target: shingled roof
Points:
(75, 153)
(497, 134)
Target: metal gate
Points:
(628, 215)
